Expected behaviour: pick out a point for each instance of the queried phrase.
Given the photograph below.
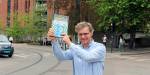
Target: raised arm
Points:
(59, 53)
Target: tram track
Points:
(51, 68)
(28, 66)
(38, 52)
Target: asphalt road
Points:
(39, 60)
(28, 60)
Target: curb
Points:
(135, 53)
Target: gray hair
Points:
(81, 25)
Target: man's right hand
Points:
(51, 35)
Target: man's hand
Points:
(51, 35)
(66, 39)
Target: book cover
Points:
(60, 24)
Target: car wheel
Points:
(10, 55)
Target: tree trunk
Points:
(132, 40)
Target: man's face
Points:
(85, 35)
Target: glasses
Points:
(85, 34)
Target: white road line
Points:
(21, 55)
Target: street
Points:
(39, 60)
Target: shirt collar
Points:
(90, 43)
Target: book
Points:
(60, 24)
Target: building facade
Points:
(77, 10)
(3, 13)
(8, 8)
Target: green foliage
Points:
(16, 30)
(0, 26)
(34, 27)
(35, 23)
(126, 14)
(32, 30)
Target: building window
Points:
(8, 13)
(27, 5)
(9, 4)
(15, 5)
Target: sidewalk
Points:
(127, 63)
(127, 51)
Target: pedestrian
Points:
(44, 40)
(88, 57)
(121, 43)
(11, 39)
(104, 39)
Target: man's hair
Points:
(81, 25)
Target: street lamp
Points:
(53, 7)
(111, 37)
(113, 33)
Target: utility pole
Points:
(111, 38)
(53, 7)
(78, 9)
(78, 18)
(113, 35)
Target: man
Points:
(44, 40)
(88, 58)
(11, 39)
(104, 40)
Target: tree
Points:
(40, 20)
(0, 26)
(16, 30)
(35, 26)
(126, 15)
(30, 29)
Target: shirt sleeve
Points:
(97, 53)
(60, 54)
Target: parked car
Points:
(6, 47)
(141, 40)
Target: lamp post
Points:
(113, 35)
(111, 38)
(53, 7)
(77, 19)
(78, 9)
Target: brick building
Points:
(10, 7)
(71, 8)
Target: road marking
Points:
(21, 55)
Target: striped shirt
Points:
(86, 61)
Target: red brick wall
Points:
(32, 5)
(12, 12)
(3, 12)
(21, 10)
(49, 11)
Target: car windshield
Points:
(3, 38)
